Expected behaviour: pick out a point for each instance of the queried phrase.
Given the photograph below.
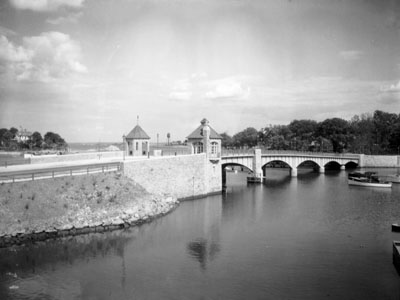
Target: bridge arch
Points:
(258, 161)
(227, 164)
(310, 162)
(235, 165)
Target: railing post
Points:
(33, 176)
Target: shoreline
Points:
(33, 237)
(61, 207)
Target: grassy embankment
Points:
(99, 201)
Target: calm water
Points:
(313, 237)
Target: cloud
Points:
(351, 54)
(42, 58)
(7, 32)
(180, 95)
(181, 90)
(71, 18)
(45, 5)
(10, 53)
(228, 88)
(393, 88)
(198, 86)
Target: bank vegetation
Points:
(377, 133)
(70, 205)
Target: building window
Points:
(137, 146)
(198, 147)
(214, 148)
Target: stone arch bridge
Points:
(257, 161)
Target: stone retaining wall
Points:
(185, 176)
(385, 161)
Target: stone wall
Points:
(185, 176)
(74, 157)
(389, 161)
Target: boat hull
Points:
(370, 184)
(254, 179)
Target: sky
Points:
(86, 69)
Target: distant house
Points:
(137, 142)
(197, 139)
(23, 136)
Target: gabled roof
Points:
(196, 134)
(138, 133)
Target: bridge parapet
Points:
(257, 160)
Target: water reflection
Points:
(21, 266)
(308, 237)
(203, 251)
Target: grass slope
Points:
(80, 201)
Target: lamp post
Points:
(123, 146)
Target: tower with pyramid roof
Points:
(137, 142)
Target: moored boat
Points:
(368, 179)
(395, 227)
(396, 255)
(369, 184)
(253, 179)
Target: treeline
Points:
(377, 133)
(12, 139)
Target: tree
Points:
(394, 139)
(303, 133)
(337, 131)
(13, 131)
(2, 138)
(275, 137)
(7, 138)
(54, 141)
(362, 128)
(384, 123)
(226, 140)
(168, 137)
(247, 137)
(36, 140)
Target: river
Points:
(310, 237)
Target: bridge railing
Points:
(237, 152)
(44, 173)
(240, 152)
(266, 152)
